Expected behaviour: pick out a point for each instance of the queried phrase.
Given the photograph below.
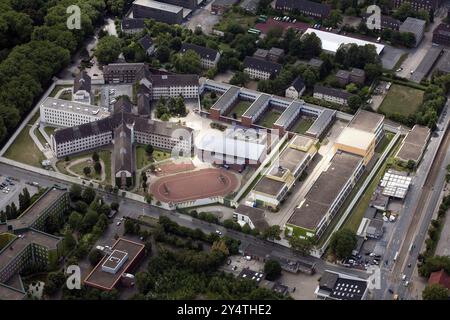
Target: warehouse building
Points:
(414, 26)
(332, 41)
(159, 11)
(414, 144)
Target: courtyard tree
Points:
(95, 157)
(149, 150)
(87, 171)
(98, 167)
(74, 221)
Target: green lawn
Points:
(57, 88)
(354, 219)
(78, 169)
(302, 125)
(24, 150)
(230, 17)
(66, 96)
(40, 137)
(239, 109)
(49, 130)
(104, 155)
(143, 160)
(401, 99)
(269, 118)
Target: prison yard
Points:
(302, 125)
(269, 118)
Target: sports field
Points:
(194, 185)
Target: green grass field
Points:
(269, 118)
(78, 169)
(402, 100)
(239, 109)
(143, 160)
(57, 88)
(24, 150)
(355, 217)
(231, 17)
(302, 125)
(49, 130)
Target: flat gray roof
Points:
(289, 159)
(269, 186)
(427, 63)
(366, 121)
(414, 144)
(223, 101)
(325, 190)
(76, 107)
(256, 105)
(30, 215)
(289, 112)
(158, 5)
(105, 280)
(325, 117)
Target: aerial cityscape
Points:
(224, 150)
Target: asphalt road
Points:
(422, 197)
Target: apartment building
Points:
(416, 5)
(296, 89)
(208, 57)
(308, 8)
(261, 69)
(331, 95)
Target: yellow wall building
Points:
(357, 142)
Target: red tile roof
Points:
(440, 277)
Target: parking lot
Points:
(10, 190)
(204, 18)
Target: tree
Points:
(188, 62)
(87, 171)
(75, 220)
(75, 192)
(98, 167)
(54, 282)
(354, 102)
(272, 233)
(303, 246)
(95, 256)
(272, 269)
(334, 19)
(108, 49)
(163, 53)
(88, 195)
(220, 246)
(342, 243)
(239, 79)
(311, 46)
(435, 292)
(114, 206)
(149, 198)
(129, 227)
(95, 157)
(149, 149)
(69, 242)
